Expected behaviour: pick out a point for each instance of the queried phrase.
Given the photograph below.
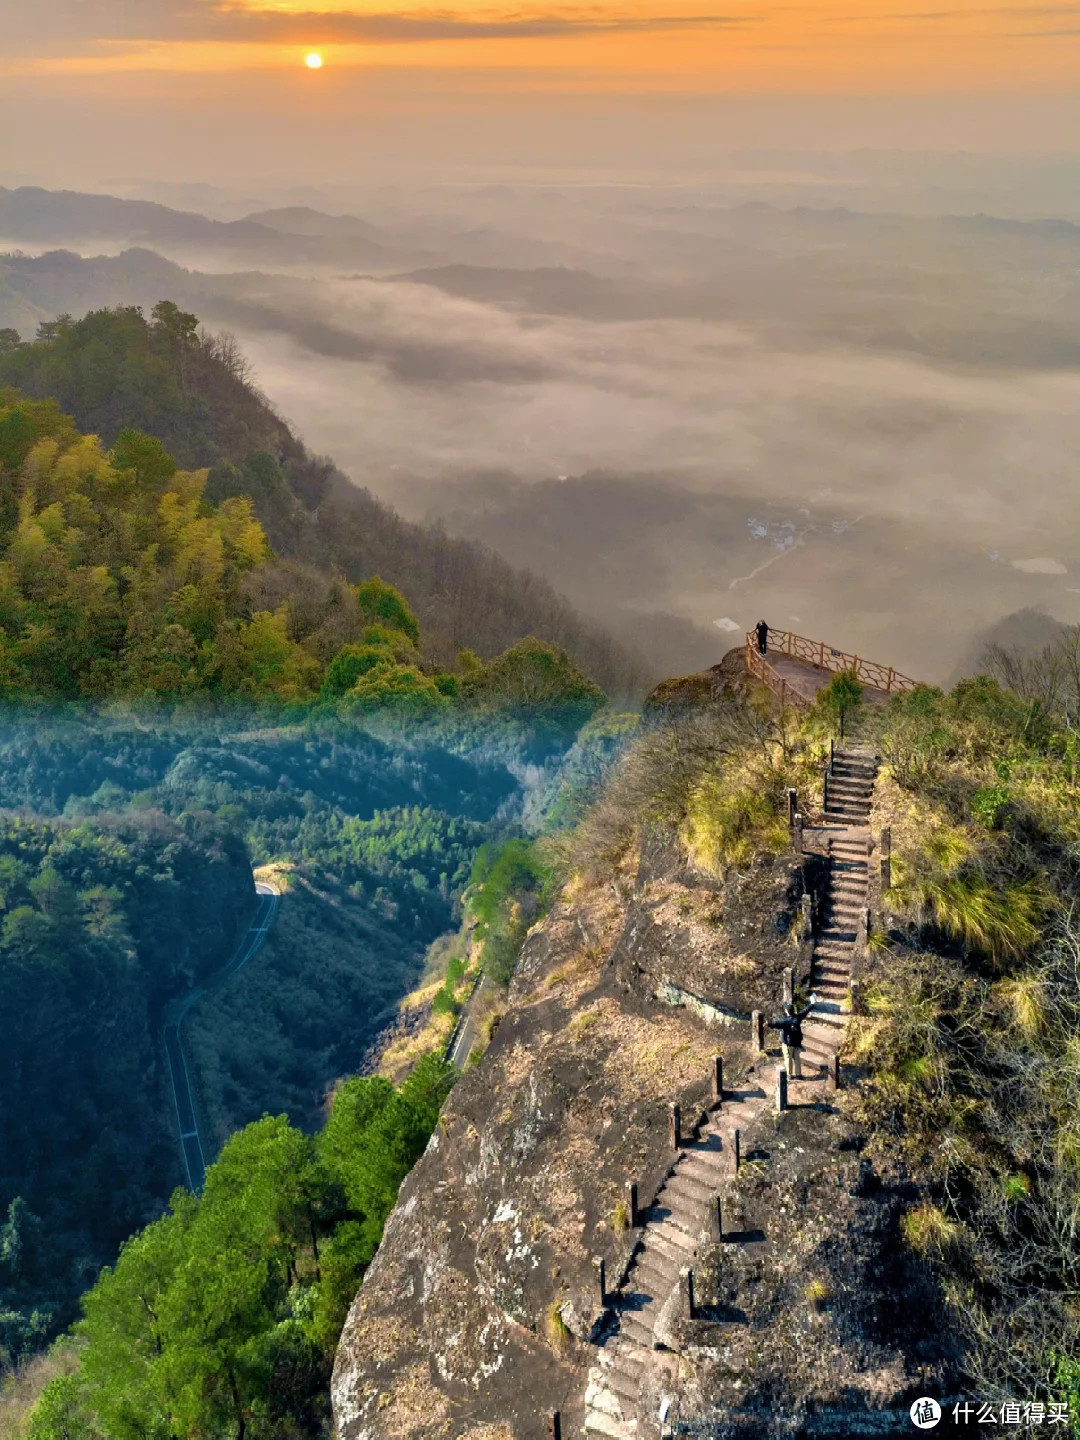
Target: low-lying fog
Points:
(883, 503)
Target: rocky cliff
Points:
(482, 1312)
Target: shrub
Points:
(989, 804)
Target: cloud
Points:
(400, 27)
(71, 26)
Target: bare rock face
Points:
(481, 1312)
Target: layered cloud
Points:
(816, 44)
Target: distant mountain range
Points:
(302, 220)
(33, 215)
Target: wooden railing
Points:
(821, 657)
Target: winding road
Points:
(461, 1042)
(190, 1140)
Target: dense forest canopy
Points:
(98, 923)
(220, 1319)
(119, 577)
(132, 882)
(115, 370)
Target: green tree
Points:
(381, 604)
(840, 699)
(350, 663)
(399, 690)
(61, 1412)
(20, 1242)
(374, 1135)
(131, 1338)
(537, 683)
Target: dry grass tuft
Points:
(19, 1392)
(929, 1231)
(556, 1329)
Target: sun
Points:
(313, 61)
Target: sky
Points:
(218, 89)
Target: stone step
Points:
(708, 1146)
(652, 1260)
(670, 1232)
(827, 1020)
(597, 1423)
(689, 1215)
(623, 1355)
(658, 1287)
(631, 1323)
(688, 1186)
(600, 1397)
(824, 1039)
(668, 1249)
(707, 1167)
(625, 1386)
(819, 1059)
(655, 1277)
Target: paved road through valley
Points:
(190, 1139)
(466, 1035)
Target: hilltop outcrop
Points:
(481, 1313)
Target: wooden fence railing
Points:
(821, 657)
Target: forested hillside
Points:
(132, 886)
(367, 884)
(99, 922)
(114, 370)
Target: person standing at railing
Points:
(761, 629)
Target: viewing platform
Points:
(795, 669)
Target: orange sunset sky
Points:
(74, 74)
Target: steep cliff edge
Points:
(482, 1314)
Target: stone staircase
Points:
(674, 1227)
(847, 816)
(622, 1390)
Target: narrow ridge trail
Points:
(631, 1363)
